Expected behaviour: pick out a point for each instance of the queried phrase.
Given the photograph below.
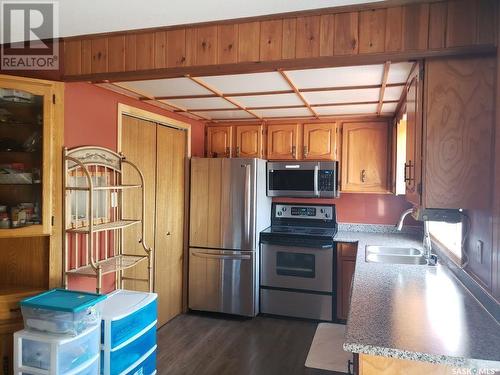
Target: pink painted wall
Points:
(90, 118)
(363, 208)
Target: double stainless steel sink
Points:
(395, 255)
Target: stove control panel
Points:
(290, 211)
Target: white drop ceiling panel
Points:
(224, 115)
(398, 72)
(253, 82)
(341, 96)
(389, 107)
(355, 109)
(283, 112)
(201, 103)
(270, 100)
(393, 93)
(167, 87)
(337, 77)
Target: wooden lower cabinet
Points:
(346, 261)
(376, 365)
(365, 157)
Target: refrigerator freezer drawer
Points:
(223, 281)
(296, 304)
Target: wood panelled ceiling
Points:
(315, 39)
(373, 90)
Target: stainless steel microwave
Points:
(302, 179)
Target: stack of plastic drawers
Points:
(129, 333)
(61, 335)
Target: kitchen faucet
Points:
(427, 246)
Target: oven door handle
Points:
(221, 256)
(316, 178)
(288, 243)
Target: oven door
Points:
(296, 267)
(299, 179)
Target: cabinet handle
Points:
(237, 151)
(306, 151)
(294, 151)
(407, 176)
(168, 233)
(363, 175)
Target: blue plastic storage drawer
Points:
(123, 329)
(124, 357)
(125, 313)
(147, 365)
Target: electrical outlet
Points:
(479, 251)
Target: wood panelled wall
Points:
(421, 26)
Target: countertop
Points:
(416, 312)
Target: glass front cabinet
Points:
(27, 156)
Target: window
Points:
(448, 236)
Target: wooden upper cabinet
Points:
(459, 128)
(413, 164)
(282, 141)
(219, 141)
(365, 157)
(248, 141)
(320, 141)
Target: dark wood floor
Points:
(202, 344)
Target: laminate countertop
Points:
(416, 312)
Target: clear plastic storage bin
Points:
(90, 368)
(61, 311)
(40, 353)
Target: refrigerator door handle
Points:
(247, 203)
(220, 256)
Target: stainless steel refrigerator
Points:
(228, 209)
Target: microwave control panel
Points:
(326, 180)
(303, 212)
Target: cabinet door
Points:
(346, 261)
(320, 141)
(27, 137)
(282, 141)
(248, 141)
(365, 157)
(219, 141)
(413, 165)
(459, 127)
